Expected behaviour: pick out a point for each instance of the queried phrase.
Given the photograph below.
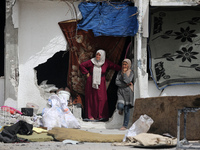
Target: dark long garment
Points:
(96, 104)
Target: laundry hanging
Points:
(109, 18)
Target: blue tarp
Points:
(109, 18)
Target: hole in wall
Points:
(54, 70)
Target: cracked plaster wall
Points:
(11, 58)
(39, 38)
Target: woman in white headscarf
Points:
(96, 104)
(125, 91)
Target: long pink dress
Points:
(96, 104)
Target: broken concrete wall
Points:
(33, 36)
(11, 57)
(40, 38)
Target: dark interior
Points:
(2, 27)
(54, 70)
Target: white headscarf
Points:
(96, 80)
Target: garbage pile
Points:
(10, 116)
(137, 135)
(57, 114)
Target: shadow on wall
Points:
(54, 70)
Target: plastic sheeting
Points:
(109, 19)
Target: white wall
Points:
(39, 38)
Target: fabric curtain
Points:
(175, 46)
(82, 47)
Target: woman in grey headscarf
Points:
(96, 104)
(125, 91)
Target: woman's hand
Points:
(130, 84)
(88, 75)
(124, 70)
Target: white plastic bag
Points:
(142, 125)
(61, 116)
(54, 101)
(71, 121)
(52, 117)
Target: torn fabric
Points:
(148, 140)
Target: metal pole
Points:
(185, 117)
(178, 128)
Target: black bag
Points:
(21, 127)
(7, 137)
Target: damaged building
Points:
(40, 53)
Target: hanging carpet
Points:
(175, 46)
(82, 47)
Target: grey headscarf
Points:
(128, 61)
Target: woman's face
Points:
(125, 65)
(98, 56)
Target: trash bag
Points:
(56, 117)
(54, 101)
(71, 121)
(9, 133)
(21, 127)
(59, 115)
(142, 125)
(7, 137)
(52, 117)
